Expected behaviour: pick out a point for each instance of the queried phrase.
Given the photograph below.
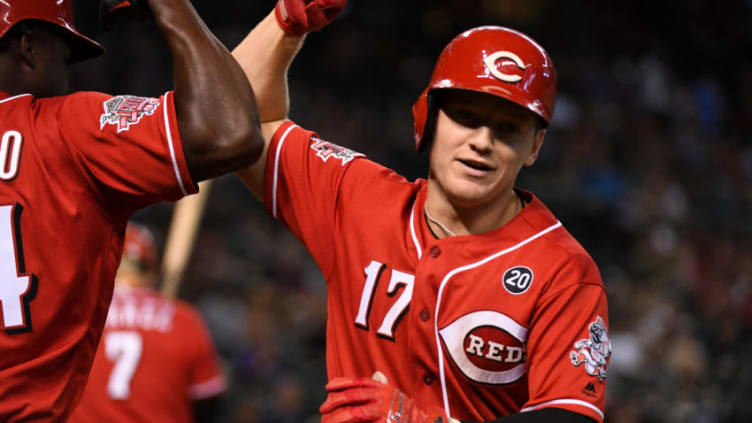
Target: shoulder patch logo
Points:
(325, 150)
(517, 280)
(126, 110)
(594, 351)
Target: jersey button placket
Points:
(434, 251)
(424, 315)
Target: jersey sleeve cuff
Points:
(271, 178)
(208, 389)
(175, 146)
(570, 404)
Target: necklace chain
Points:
(439, 224)
(449, 232)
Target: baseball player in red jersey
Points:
(156, 361)
(75, 167)
(464, 291)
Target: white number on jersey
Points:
(10, 154)
(398, 279)
(124, 348)
(17, 289)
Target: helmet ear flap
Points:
(432, 112)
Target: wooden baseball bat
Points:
(184, 226)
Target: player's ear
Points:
(537, 144)
(26, 47)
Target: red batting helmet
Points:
(57, 12)
(140, 247)
(497, 61)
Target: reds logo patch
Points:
(125, 110)
(325, 150)
(594, 351)
(487, 346)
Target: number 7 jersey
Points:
(485, 325)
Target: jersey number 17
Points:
(397, 279)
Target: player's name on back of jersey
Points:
(147, 314)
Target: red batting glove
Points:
(296, 17)
(353, 400)
(114, 10)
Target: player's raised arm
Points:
(215, 106)
(265, 56)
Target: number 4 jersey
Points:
(72, 171)
(484, 325)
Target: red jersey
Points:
(482, 326)
(156, 357)
(74, 168)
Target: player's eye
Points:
(464, 116)
(505, 128)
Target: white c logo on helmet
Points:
(491, 60)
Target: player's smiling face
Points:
(480, 144)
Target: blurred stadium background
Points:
(648, 163)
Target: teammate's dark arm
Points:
(216, 108)
(546, 415)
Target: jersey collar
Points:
(530, 220)
(5, 96)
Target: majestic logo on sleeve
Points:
(594, 351)
(487, 346)
(325, 150)
(124, 111)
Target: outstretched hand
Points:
(113, 10)
(353, 400)
(296, 17)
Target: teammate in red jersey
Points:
(75, 167)
(156, 361)
(463, 290)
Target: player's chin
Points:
(470, 194)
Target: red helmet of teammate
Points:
(140, 247)
(497, 61)
(56, 12)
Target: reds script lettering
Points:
(514, 354)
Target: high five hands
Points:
(297, 17)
